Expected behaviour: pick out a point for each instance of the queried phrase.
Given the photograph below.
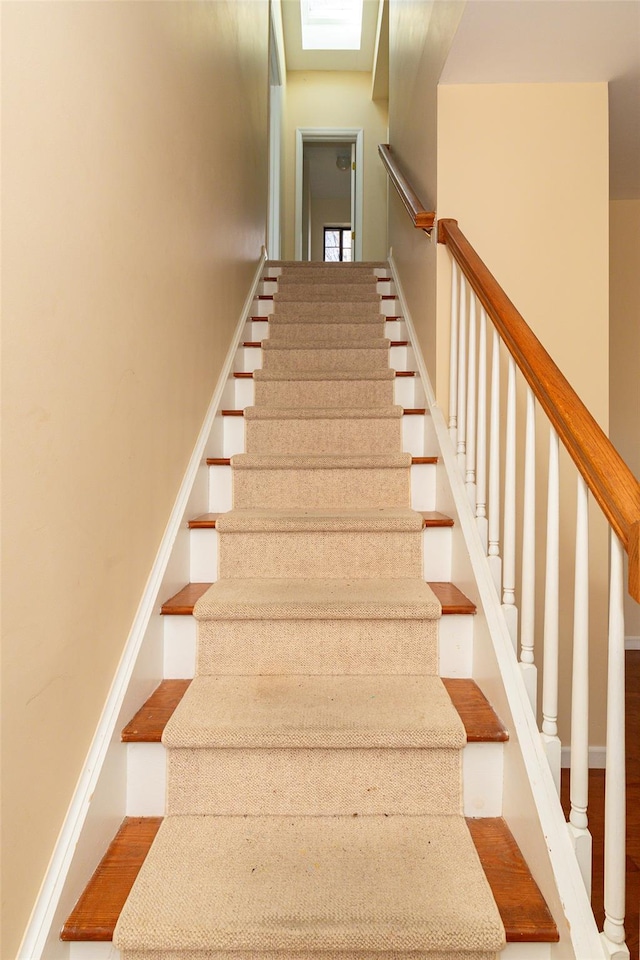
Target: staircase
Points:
(333, 775)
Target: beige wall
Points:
(337, 99)
(524, 169)
(420, 34)
(326, 212)
(129, 243)
(624, 356)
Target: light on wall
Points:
(343, 162)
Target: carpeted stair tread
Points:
(318, 519)
(392, 412)
(341, 375)
(312, 330)
(288, 320)
(325, 712)
(283, 346)
(326, 276)
(312, 884)
(342, 294)
(250, 461)
(314, 309)
(318, 599)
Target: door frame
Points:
(322, 135)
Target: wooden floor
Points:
(596, 813)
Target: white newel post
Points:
(579, 789)
(551, 600)
(528, 592)
(613, 935)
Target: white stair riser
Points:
(482, 765)
(394, 329)
(249, 359)
(270, 286)
(273, 270)
(437, 543)
(423, 487)
(455, 646)
(220, 489)
(85, 950)
(233, 436)
(179, 647)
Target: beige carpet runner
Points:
(314, 807)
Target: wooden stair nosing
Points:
(452, 600)
(206, 521)
(225, 461)
(524, 913)
(481, 723)
(248, 375)
(406, 411)
(431, 518)
(96, 913)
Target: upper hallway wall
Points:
(134, 201)
(624, 355)
(338, 99)
(420, 35)
(524, 169)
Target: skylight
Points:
(331, 24)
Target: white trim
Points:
(597, 757)
(320, 135)
(43, 913)
(632, 643)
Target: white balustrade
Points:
(579, 788)
(551, 615)
(613, 934)
(462, 380)
(481, 460)
(494, 558)
(509, 548)
(528, 589)
(477, 400)
(470, 460)
(453, 356)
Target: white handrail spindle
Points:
(470, 475)
(453, 355)
(551, 606)
(579, 788)
(494, 559)
(509, 549)
(462, 373)
(614, 808)
(528, 592)
(481, 464)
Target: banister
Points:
(609, 479)
(422, 219)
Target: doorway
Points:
(328, 191)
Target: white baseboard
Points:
(632, 643)
(597, 757)
(43, 914)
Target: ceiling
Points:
(526, 41)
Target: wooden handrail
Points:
(421, 218)
(609, 479)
